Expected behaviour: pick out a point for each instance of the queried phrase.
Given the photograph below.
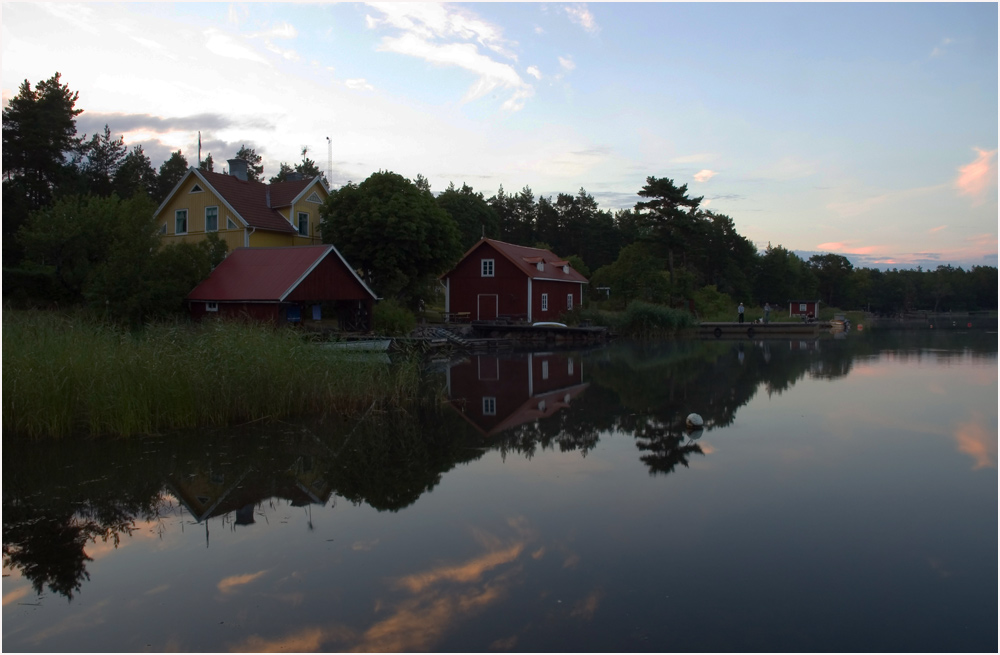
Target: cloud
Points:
(492, 74)
(534, 72)
(978, 177)
(438, 21)
(939, 49)
(936, 229)
(120, 123)
(847, 248)
(225, 45)
(567, 63)
(359, 84)
(288, 54)
(704, 175)
(445, 36)
(975, 440)
(580, 15)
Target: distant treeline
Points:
(666, 250)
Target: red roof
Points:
(264, 274)
(527, 260)
(255, 202)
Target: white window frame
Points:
(298, 226)
(545, 369)
(487, 267)
(545, 302)
(211, 306)
(216, 228)
(177, 218)
(803, 306)
(569, 302)
(489, 405)
(231, 224)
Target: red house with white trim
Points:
(294, 284)
(803, 308)
(502, 280)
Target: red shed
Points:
(294, 284)
(803, 308)
(502, 280)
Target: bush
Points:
(711, 304)
(392, 319)
(642, 320)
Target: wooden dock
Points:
(776, 330)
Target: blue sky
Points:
(869, 130)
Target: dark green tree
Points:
(39, 138)
(394, 232)
(833, 276)
(104, 156)
(136, 175)
(255, 170)
(637, 274)
(171, 172)
(207, 164)
(472, 214)
(670, 215)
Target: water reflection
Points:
(62, 501)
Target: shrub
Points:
(392, 319)
(642, 320)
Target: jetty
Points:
(778, 330)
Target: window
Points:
(230, 225)
(545, 369)
(211, 307)
(569, 366)
(303, 224)
(569, 302)
(566, 268)
(489, 406)
(545, 302)
(314, 198)
(181, 221)
(211, 219)
(540, 266)
(196, 189)
(802, 307)
(487, 268)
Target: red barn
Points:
(803, 308)
(501, 280)
(292, 284)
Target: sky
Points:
(866, 130)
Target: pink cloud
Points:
(977, 178)
(704, 175)
(848, 249)
(936, 229)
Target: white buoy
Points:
(695, 421)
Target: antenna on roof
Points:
(329, 162)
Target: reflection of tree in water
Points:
(60, 498)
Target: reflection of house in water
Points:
(495, 394)
(209, 492)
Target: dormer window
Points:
(566, 268)
(540, 266)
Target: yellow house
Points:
(244, 213)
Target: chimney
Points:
(238, 168)
(293, 177)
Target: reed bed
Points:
(67, 375)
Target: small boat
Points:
(545, 324)
(370, 345)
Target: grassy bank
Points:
(69, 375)
(640, 320)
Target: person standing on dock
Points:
(739, 310)
(767, 313)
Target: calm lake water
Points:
(842, 497)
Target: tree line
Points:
(78, 230)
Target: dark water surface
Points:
(842, 497)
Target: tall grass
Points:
(70, 375)
(641, 320)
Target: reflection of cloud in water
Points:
(434, 601)
(78, 622)
(230, 584)
(586, 608)
(364, 545)
(975, 440)
(17, 594)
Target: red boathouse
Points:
(295, 284)
(502, 280)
